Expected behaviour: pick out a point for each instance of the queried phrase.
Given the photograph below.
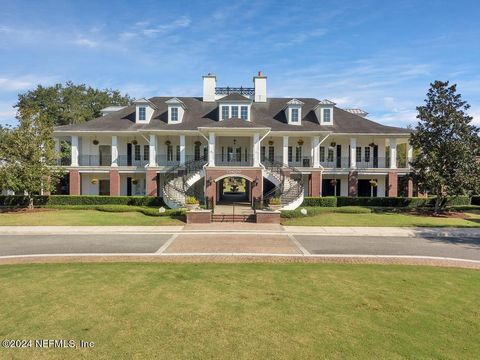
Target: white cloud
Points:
(145, 28)
(86, 42)
(11, 83)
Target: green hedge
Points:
(121, 208)
(21, 201)
(327, 201)
(399, 201)
(312, 211)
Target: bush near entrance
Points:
(382, 201)
(22, 201)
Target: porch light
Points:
(198, 143)
(255, 182)
(300, 142)
(372, 144)
(168, 142)
(209, 181)
(373, 182)
(94, 181)
(95, 142)
(270, 142)
(333, 144)
(333, 182)
(134, 142)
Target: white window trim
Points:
(171, 114)
(229, 106)
(322, 116)
(290, 117)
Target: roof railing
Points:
(234, 90)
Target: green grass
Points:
(84, 218)
(336, 218)
(242, 311)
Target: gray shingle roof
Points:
(205, 114)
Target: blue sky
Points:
(376, 55)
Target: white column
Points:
(114, 151)
(256, 149)
(316, 151)
(409, 154)
(393, 153)
(152, 151)
(182, 149)
(211, 149)
(353, 153)
(285, 150)
(74, 151)
(58, 151)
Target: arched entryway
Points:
(234, 189)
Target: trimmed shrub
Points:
(327, 201)
(399, 201)
(312, 211)
(21, 201)
(121, 208)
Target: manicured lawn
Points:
(242, 311)
(84, 217)
(383, 219)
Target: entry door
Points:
(104, 187)
(105, 155)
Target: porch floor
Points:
(243, 208)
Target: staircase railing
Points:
(276, 168)
(175, 185)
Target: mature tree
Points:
(69, 103)
(28, 158)
(448, 143)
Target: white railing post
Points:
(114, 160)
(316, 151)
(393, 153)
(211, 149)
(353, 153)
(74, 151)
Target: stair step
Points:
(233, 218)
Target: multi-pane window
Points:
(142, 113)
(358, 151)
(225, 112)
(234, 110)
(178, 153)
(174, 114)
(330, 155)
(262, 153)
(146, 152)
(169, 153)
(238, 154)
(298, 154)
(137, 153)
(367, 153)
(327, 115)
(271, 153)
(294, 115)
(244, 112)
(290, 154)
(322, 153)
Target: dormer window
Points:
(294, 115)
(142, 113)
(244, 113)
(234, 112)
(327, 116)
(176, 110)
(225, 112)
(293, 112)
(174, 114)
(144, 110)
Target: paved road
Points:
(454, 247)
(80, 244)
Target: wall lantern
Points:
(209, 181)
(255, 182)
(95, 142)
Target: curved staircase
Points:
(179, 180)
(288, 184)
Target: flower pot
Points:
(275, 207)
(192, 206)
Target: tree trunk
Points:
(30, 203)
(438, 200)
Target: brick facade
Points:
(151, 180)
(392, 184)
(316, 183)
(114, 183)
(353, 183)
(216, 174)
(74, 180)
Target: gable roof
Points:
(234, 97)
(269, 114)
